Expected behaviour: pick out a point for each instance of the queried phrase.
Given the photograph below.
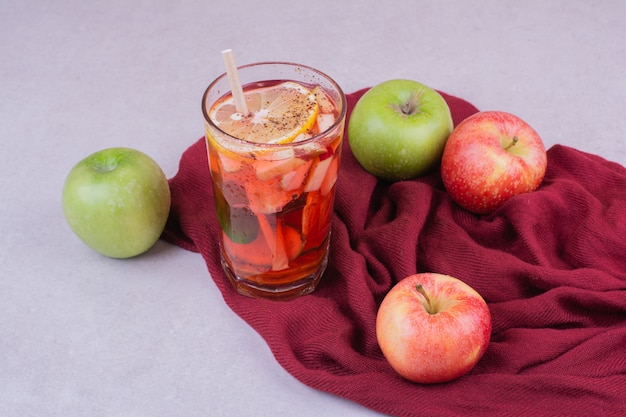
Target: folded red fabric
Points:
(551, 264)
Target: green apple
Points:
(398, 129)
(117, 201)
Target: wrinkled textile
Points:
(551, 264)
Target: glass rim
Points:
(342, 99)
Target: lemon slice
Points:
(277, 114)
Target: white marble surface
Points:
(83, 335)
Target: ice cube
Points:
(325, 121)
(317, 176)
(266, 170)
(229, 164)
(325, 104)
(331, 176)
(293, 180)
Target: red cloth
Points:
(551, 265)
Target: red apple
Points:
(490, 157)
(433, 328)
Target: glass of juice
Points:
(274, 172)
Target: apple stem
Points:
(513, 142)
(429, 305)
(411, 105)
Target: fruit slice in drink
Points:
(277, 114)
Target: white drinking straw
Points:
(233, 79)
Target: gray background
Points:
(84, 335)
